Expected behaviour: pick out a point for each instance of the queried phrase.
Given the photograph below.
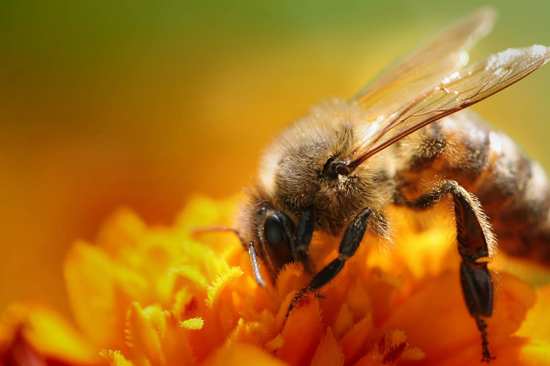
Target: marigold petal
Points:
(390, 350)
(191, 273)
(421, 253)
(121, 230)
(100, 291)
(203, 211)
(354, 340)
(184, 303)
(537, 323)
(275, 344)
(52, 335)
(358, 299)
(536, 352)
(328, 352)
(290, 278)
(343, 321)
(142, 336)
(35, 332)
(301, 332)
(511, 351)
(239, 354)
(156, 252)
(214, 264)
(513, 299)
(175, 343)
(255, 332)
(215, 290)
(115, 358)
(437, 320)
(380, 310)
(413, 354)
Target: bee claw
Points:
(295, 300)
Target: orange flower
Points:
(161, 296)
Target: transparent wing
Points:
(426, 66)
(455, 92)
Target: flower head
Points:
(163, 296)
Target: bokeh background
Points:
(145, 103)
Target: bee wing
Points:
(455, 92)
(425, 66)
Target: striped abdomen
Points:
(513, 190)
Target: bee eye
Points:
(274, 232)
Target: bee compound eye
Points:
(274, 232)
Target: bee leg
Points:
(304, 234)
(348, 246)
(472, 236)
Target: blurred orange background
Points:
(143, 104)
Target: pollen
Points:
(193, 323)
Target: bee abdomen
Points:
(513, 191)
(516, 197)
(456, 148)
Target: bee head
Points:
(275, 238)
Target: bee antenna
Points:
(251, 249)
(255, 265)
(204, 230)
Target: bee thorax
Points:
(307, 165)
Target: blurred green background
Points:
(145, 103)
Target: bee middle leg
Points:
(473, 238)
(348, 246)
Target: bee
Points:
(406, 140)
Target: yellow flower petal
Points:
(441, 325)
(215, 290)
(191, 273)
(537, 324)
(143, 337)
(115, 358)
(275, 344)
(328, 352)
(123, 227)
(344, 321)
(512, 351)
(100, 291)
(239, 354)
(47, 334)
(301, 333)
(181, 299)
(176, 348)
(391, 348)
(354, 340)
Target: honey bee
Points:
(341, 167)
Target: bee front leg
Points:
(348, 246)
(303, 238)
(473, 238)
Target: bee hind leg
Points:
(473, 238)
(348, 246)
